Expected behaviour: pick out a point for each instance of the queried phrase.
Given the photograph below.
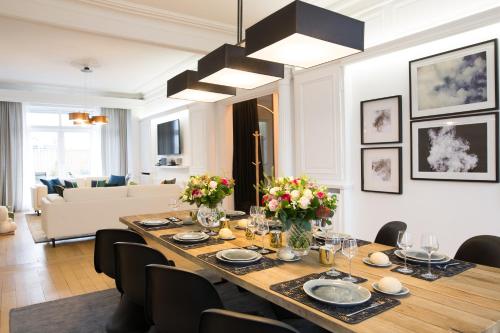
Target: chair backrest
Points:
(216, 321)
(104, 255)
(482, 250)
(131, 262)
(388, 234)
(175, 299)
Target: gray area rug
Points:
(79, 314)
(35, 226)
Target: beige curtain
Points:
(114, 142)
(11, 155)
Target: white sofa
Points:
(40, 191)
(83, 211)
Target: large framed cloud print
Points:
(455, 82)
(459, 148)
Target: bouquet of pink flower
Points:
(207, 190)
(297, 201)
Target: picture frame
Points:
(381, 120)
(473, 155)
(382, 170)
(455, 82)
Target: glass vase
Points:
(299, 237)
(209, 218)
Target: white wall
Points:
(454, 211)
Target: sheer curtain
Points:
(114, 142)
(11, 155)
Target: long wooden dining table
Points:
(467, 302)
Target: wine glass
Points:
(336, 244)
(250, 233)
(262, 230)
(349, 250)
(429, 244)
(405, 242)
(316, 226)
(254, 212)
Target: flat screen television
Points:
(169, 138)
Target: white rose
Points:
(308, 194)
(274, 190)
(295, 194)
(304, 203)
(213, 184)
(273, 205)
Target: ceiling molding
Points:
(161, 14)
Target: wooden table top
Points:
(467, 302)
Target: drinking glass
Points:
(173, 204)
(316, 226)
(429, 244)
(336, 244)
(250, 233)
(262, 230)
(405, 242)
(349, 250)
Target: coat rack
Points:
(256, 136)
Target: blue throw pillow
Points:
(56, 181)
(69, 184)
(50, 188)
(117, 180)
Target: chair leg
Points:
(53, 241)
(128, 317)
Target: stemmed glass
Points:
(316, 226)
(250, 230)
(262, 230)
(349, 250)
(429, 244)
(405, 242)
(335, 242)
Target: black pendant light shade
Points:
(304, 35)
(228, 66)
(186, 86)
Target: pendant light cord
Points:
(240, 22)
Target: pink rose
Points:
(273, 205)
(196, 193)
(320, 195)
(285, 197)
(224, 182)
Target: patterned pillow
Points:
(59, 190)
(98, 183)
(168, 181)
(70, 184)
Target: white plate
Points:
(421, 255)
(190, 235)
(336, 292)
(151, 223)
(367, 261)
(239, 254)
(400, 255)
(219, 257)
(404, 290)
(234, 213)
(180, 238)
(296, 258)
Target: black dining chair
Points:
(388, 234)
(175, 299)
(131, 262)
(216, 321)
(104, 253)
(482, 250)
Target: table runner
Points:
(293, 289)
(419, 269)
(187, 246)
(240, 269)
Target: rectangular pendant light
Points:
(186, 86)
(228, 66)
(304, 35)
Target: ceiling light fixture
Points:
(228, 65)
(304, 35)
(186, 86)
(83, 118)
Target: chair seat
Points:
(245, 302)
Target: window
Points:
(59, 148)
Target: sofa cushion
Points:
(168, 181)
(70, 184)
(94, 194)
(98, 183)
(168, 190)
(117, 181)
(50, 184)
(54, 197)
(59, 190)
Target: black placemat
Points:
(258, 248)
(170, 225)
(240, 269)
(293, 289)
(457, 267)
(208, 242)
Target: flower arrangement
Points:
(297, 201)
(207, 190)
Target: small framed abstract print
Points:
(381, 120)
(381, 170)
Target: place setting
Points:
(161, 223)
(424, 263)
(192, 239)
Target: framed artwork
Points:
(460, 148)
(381, 170)
(381, 120)
(455, 82)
